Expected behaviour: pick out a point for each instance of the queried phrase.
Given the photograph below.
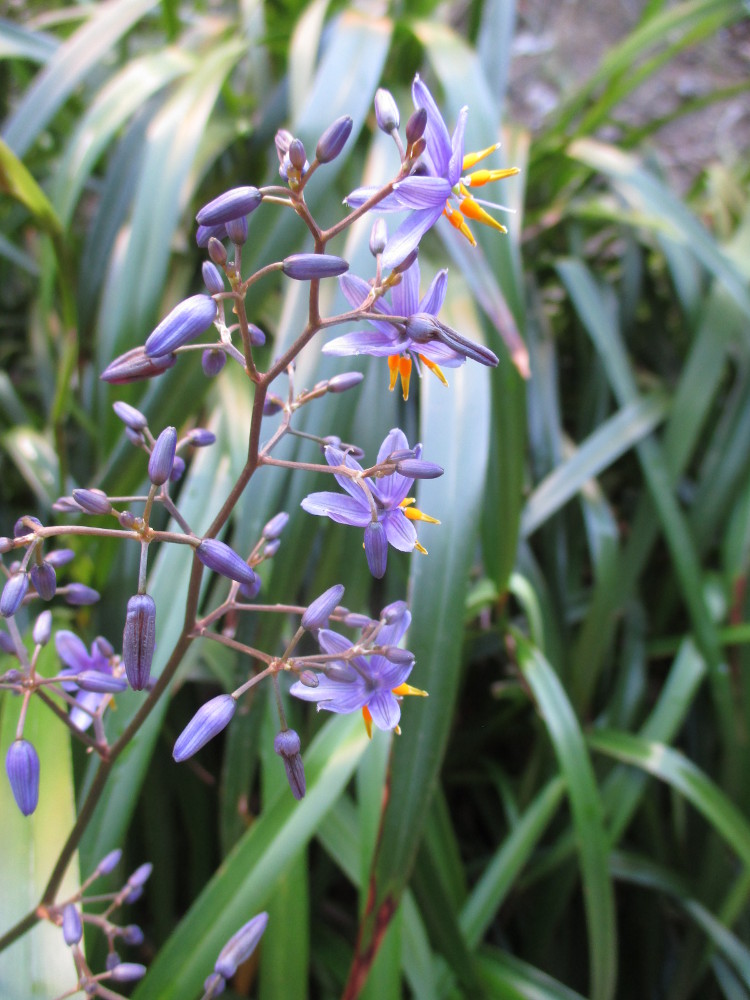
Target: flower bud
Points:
(136, 365)
(275, 526)
(25, 525)
(204, 234)
(271, 548)
(317, 614)
(416, 125)
(393, 613)
(132, 935)
(307, 266)
(282, 141)
(251, 590)
(127, 519)
(344, 381)
(105, 647)
(79, 595)
(401, 657)
(13, 594)
(378, 237)
(6, 643)
(207, 722)
(199, 437)
(72, 927)
(136, 438)
(42, 628)
(162, 457)
(139, 639)
(354, 620)
(214, 985)
(131, 417)
(240, 946)
(185, 322)
(217, 251)
(93, 501)
(224, 560)
(44, 579)
(178, 469)
(272, 405)
(109, 862)
(297, 154)
(60, 557)
(100, 683)
(295, 770)
(407, 262)
(22, 765)
(257, 337)
(212, 278)
(415, 468)
(237, 230)
(128, 972)
(212, 361)
(376, 548)
(386, 111)
(333, 140)
(141, 875)
(240, 201)
(112, 961)
(309, 678)
(6, 544)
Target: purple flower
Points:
(79, 661)
(187, 320)
(377, 505)
(22, 765)
(308, 266)
(371, 683)
(230, 205)
(209, 720)
(139, 639)
(240, 946)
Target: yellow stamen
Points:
(404, 689)
(420, 548)
(471, 159)
(416, 515)
(368, 720)
(457, 221)
(397, 730)
(481, 177)
(406, 501)
(475, 211)
(404, 370)
(434, 368)
(393, 366)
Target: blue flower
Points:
(90, 667)
(371, 683)
(437, 186)
(376, 504)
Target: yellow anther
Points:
(407, 501)
(481, 177)
(434, 368)
(397, 730)
(458, 222)
(416, 515)
(475, 211)
(404, 370)
(393, 366)
(368, 720)
(420, 548)
(471, 159)
(404, 689)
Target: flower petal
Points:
(423, 191)
(433, 300)
(406, 294)
(407, 236)
(342, 509)
(385, 710)
(436, 131)
(395, 440)
(373, 342)
(400, 532)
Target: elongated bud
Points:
(415, 468)
(306, 266)
(13, 594)
(95, 680)
(162, 457)
(237, 230)
(178, 469)
(354, 620)
(275, 526)
(128, 972)
(60, 557)
(72, 927)
(207, 722)
(407, 262)
(22, 765)
(222, 559)
(317, 614)
(297, 154)
(6, 643)
(93, 501)
(401, 657)
(199, 437)
(240, 946)
(231, 205)
(131, 417)
(204, 234)
(214, 985)
(212, 278)
(376, 548)
(133, 935)
(25, 525)
(386, 111)
(141, 875)
(42, 628)
(217, 251)
(44, 578)
(109, 862)
(309, 678)
(187, 320)
(105, 647)
(344, 381)
(139, 639)
(393, 613)
(135, 365)
(6, 544)
(282, 140)
(416, 125)
(251, 590)
(257, 337)
(286, 744)
(212, 361)
(271, 548)
(333, 140)
(79, 595)
(272, 405)
(378, 237)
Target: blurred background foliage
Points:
(568, 813)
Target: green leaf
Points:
(16, 181)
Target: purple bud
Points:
(136, 365)
(141, 875)
(22, 765)
(105, 647)
(187, 320)
(251, 590)
(60, 557)
(204, 234)
(393, 613)
(240, 201)
(13, 594)
(209, 720)
(240, 946)
(271, 548)
(132, 935)
(212, 361)
(401, 657)
(199, 437)
(162, 457)
(354, 620)
(271, 405)
(109, 862)
(297, 154)
(139, 639)
(415, 468)
(407, 262)
(44, 578)
(6, 544)
(42, 628)
(214, 985)
(178, 469)
(127, 519)
(23, 527)
(257, 337)
(237, 230)
(6, 643)
(344, 381)
(317, 614)
(135, 437)
(222, 559)
(307, 266)
(333, 140)
(212, 278)
(72, 927)
(217, 252)
(95, 680)
(386, 111)
(275, 526)
(338, 672)
(376, 548)
(282, 140)
(416, 125)
(378, 237)
(128, 972)
(79, 595)
(131, 417)
(309, 678)
(93, 501)
(112, 961)
(66, 505)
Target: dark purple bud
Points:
(209, 720)
(178, 469)
(240, 946)
(402, 657)
(251, 590)
(136, 365)
(162, 457)
(333, 140)
(93, 501)
(204, 234)
(25, 525)
(22, 765)
(309, 678)
(237, 230)
(212, 361)
(295, 774)
(141, 875)
(416, 125)
(415, 468)
(393, 613)
(187, 321)
(212, 278)
(6, 643)
(306, 266)
(231, 205)
(72, 927)
(407, 262)
(60, 557)
(214, 985)
(128, 972)
(386, 111)
(139, 639)
(95, 680)
(44, 579)
(199, 437)
(79, 595)
(13, 676)
(358, 621)
(109, 862)
(317, 614)
(344, 381)
(339, 673)
(297, 154)
(423, 328)
(272, 405)
(127, 519)
(275, 526)
(376, 548)
(378, 237)
(105, 647)
(13, 594)
(131, 417)
(42, 628)
(417, 148)
(132, 935)
(217, 252)
(257, 337)
(222, 559)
